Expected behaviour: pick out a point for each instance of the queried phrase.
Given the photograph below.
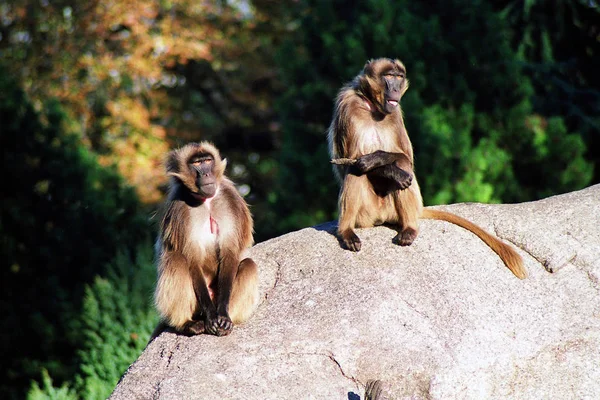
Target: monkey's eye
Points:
(394, 76)
(198, 161)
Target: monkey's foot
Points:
(220, 326)
(350, 240)
(193, 328)
(406, 237)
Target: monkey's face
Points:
(202, 165)
(385, 83)
(393, 81)
(197, 169)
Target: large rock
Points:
(441, 319)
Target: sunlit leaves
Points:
(110, 63)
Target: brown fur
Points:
(203, 283)
(360, 127)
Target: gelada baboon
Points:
(204, 285)
(373, 162)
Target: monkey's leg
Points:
(228, 270)
(174, 296)
(349, 206)
(244, 293)
(205, 306)
(409, 205)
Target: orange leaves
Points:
(110, 65)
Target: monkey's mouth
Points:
(392, 103)
(205, 191)
(208, 189)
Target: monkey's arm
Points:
(380, 158)
(381, 164)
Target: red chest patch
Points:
(214, 227)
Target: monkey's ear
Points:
(368, 68)
(172, 163)
(399, 64)
(405, 88)
(187, 180)
(220, 167)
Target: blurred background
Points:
(503, 106)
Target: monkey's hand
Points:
(221, 325)
(402, 178)
(367, 162)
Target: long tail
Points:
(508, 255)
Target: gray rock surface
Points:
(441, 319)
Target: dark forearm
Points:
(381, 158)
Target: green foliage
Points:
(63, 219)
(48, 392)
(450, 146)
(467, 111)
(559, 48)
(116, 323)
(556, 158)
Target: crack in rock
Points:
(169, 351)
(594, 279)
(166, 352)
(544, 262)
(277, 275)
(277, 279)
(331, 356)
(157, 390)
(415, 309)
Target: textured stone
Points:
(441, 319)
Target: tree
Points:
(63, 218)
(468, 111)
(559, 47)
(134, 75)
(117, 320)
